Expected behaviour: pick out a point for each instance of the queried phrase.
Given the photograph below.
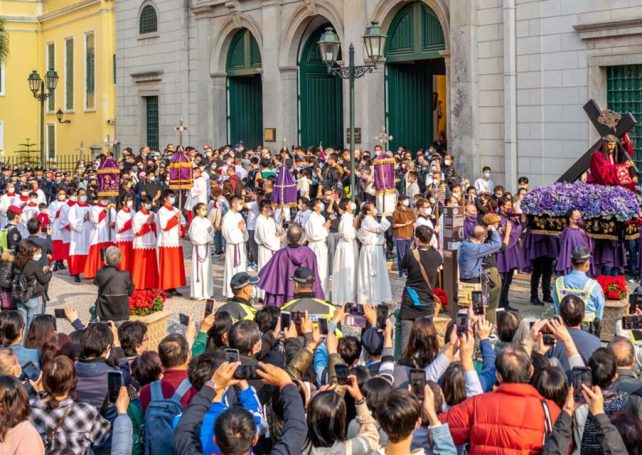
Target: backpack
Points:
(158, 431)
(21, 291)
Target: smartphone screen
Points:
(59, 313)
(548, 340)
(285, 320)
(323, 326)
(382, 316)
(418, 382)
(461, 320)
(354, 309)
(297, 317)
(342, 374)
(231, 355)
(478, 304)
(579, 376)
(209, 307)
(628, 322)
(183, 318)
(114, 383)
(31, 370)
(247, 372)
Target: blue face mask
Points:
(322, 206)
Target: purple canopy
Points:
(284, 193)
(108, 178)
(180, 171)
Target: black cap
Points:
(303, 275)
(242, 279)
(372, 342)
(580, 253)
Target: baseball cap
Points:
(580, 253)
(372, 342)
(242, 279)
(302, 275)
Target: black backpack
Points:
(21, 291)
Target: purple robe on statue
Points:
(274, 277)
(609, 253)
(541, 246)
(512, 257)
(469, 224)
(569, 239)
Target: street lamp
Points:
(329, 45)
(60, 115)
(42, 90)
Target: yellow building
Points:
(77, 39)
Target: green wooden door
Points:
(244, 91)
(320, 98)
(624, 84)
(415, 39)
(410, 105)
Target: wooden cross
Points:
(181, 128)
(605, 122)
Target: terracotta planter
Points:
(613, 312)
(156, 327)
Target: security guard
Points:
(304, 299)
(240, 306)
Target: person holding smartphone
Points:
(27, 262)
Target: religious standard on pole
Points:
(181, 128)
(383, 137)
(329, 46)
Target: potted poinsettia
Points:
(616, 295)
(148, 306)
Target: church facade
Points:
(502, 81)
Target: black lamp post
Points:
(59, 116)
(42, 90)
(329, 45)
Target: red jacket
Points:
(509, 420)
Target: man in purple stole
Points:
(470, 221)
(570, 238)
(274, 277)
(540, 251)
(511, 258)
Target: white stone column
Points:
(354, 24)
(510, 96)
(272, 108)
(288, 105)
(202, 129)
(218, 105)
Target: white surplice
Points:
(29, 211)
(268, 241)
(198, 193)
(317, 236)
(373, 282)
(344, 263)
(201, 234)
(80, 230)
(6, 201)
(235, 252)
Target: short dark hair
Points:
(202, 368)
(603, 367)
(349, 348)
(234, 431)
(33, 226)
(326, 415)
(507, 325)
(513, 364)
(398, 415)
(131, 335)
(551, 383)
(522, 180)
(147, 368)
(486, 168)
(267, 317)
(95, 339)
(424, 234)
(572, 310)
(173, 350)
(244, 335)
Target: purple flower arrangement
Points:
(594, 201)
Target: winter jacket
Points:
(559, 441)
(509, 420)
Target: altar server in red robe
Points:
(102, 217)
(171, 225)
(144, 264)
(124, 232)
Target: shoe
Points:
(536, 301)
(55, 267)
(77, 278)
(548, 299)
(510, 308)
(61, 265)
(177, 293)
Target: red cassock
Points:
(99, 241)
(144, 262)
(126, 255)
(603, 172)
(170, 251)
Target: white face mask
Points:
(73, 198)
(147, 206)
(61, 197)
(104, 201)
(34, 200)
(487, 175)
(171, 200)
(10, 190)
(405, 202)
(353, 206)
(24, 193)
(130, 204)
(82, 198)
(36, 257)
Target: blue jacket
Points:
(471, 255)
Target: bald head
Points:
(479, 233)
(294, 234)
(624, 352)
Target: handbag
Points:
(436, 299)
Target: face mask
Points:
(447, 162)
(25, 193)
(353, 206)
(405, 203)
(61, 197)
(83, 198)
(10, 190)
(147, 206)
(152, 178)
(579, 222)
(487, 175)
(34, 200)
(73, 198)
(255, 292)
(130, 204)
(202, 214)
(322, 206)
(428, 211)
(171, 200)
(36, 257)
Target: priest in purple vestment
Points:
(511, 257)
(540, 251)
(274, 277)
(570, 238)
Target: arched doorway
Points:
(320, 98)
(415, 77)
(244, 91)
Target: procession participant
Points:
(571, 237)
(344, 272)
(35, 188)
(171, 224)
(511, 257)
(199, 193)
(384, 181)
(102, 219)
(373, 284)
(6, 201)
(144, 262)
(201, 234)
(23, 198)
(124, 232)
(57, 234)
(274, 276)
(80, 228)
(540, 251)
(235, 234)
(331, 213)
(253, 211)
(316, 233)
(29, 211)
(403, 226)
(266, 235)
(65, 228)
